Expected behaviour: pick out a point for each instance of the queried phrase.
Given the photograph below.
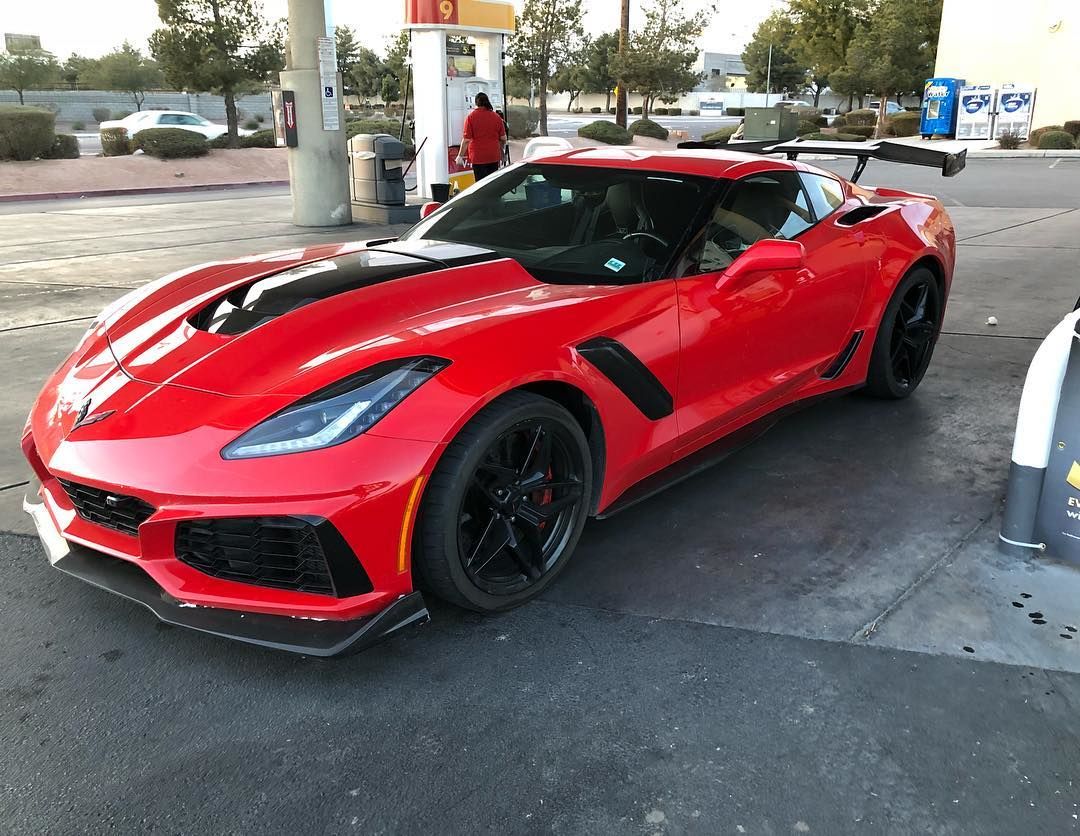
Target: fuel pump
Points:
(457, 51)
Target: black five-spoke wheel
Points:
(906, 336)
(506, 506)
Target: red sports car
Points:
(283, 449)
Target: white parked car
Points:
(890, 107)
(792, 103)
(169, 119)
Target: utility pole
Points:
(768, 78)
(624, 42)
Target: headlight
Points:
(337, 413)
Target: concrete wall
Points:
(1037, 42)
(692, 101)
(76, 105)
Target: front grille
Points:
(106, 508)
(281, 552)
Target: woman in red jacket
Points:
(483, 138)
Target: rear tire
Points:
(906, 337)
(505, 506)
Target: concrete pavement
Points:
(815, 636)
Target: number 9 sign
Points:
(431, 11)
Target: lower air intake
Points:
(295, 553)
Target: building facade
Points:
(1037, 42)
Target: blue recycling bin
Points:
(940, 106)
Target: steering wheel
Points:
(656, 238)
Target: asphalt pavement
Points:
(816, 636)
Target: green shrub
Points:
(251, 125)
(170, 143)
(121, 114)
(833, 138)
(840, 121)
(218, 142)
(722, 135)
(647, 127)
(1037, 134)
(64, 147)
(810, 114)
(674, 111)
(260, 118)
(579, 110)
(1073, 127)
(115, 143)
(806, 127)
(1009, 141)
(596, 110)
(903, 124)
(78, 125)
(611, 111)
(26, 133)
(100, 114)
(735, 111)
(865, 131)
(693, 112)
(378, 126)
(522, 120)
(607, 132)
(636, 111)
(660, 111)
(259, 139)
(865, 116)
(1056, 141)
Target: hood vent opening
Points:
(258, 302)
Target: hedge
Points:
(170, 143)
(834, 138)
(611, 111)
(379, 126)
(865, 116)
(693, 112)
(636, 111)
(865, 131)
(806, 126)
(647, 127)
(722, 135)
(607, 132)
(64, 147)
(522, 121)
(596, 110)
(1056, 140)
(26, 133)
(1037, 134)
(903, 124)
(115, 143)
(259, 139)
(674, 111)
(100, 114)
(660, 111)
(1073, 127)
(735, 111)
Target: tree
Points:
(389, 88)
(659, 61)
(128, 70)
(599, 70)
(788, 73)
(572, 77)
(823, 31)
(897, 49)
(517, 82)
(366, 73)
(547, 33)
(347, 48)
(396, 65)
(25, 70)
(216, 46)
(76, 70)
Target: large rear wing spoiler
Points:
(950, 163)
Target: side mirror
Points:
(767, 256)
(428, 208)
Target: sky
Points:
(93, 28)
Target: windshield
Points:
(575, 224)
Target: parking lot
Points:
(817, 635)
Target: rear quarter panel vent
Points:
(862, 213)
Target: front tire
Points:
(505, 506)
(906, 336)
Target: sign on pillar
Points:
(328, 82)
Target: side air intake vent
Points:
(863, 213)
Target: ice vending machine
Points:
(1016, 104)
(976, 115)
(940, 105)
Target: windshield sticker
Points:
(614, 265)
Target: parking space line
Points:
(209, 225)
(1015, 226)
(44, 324)
(13, 485)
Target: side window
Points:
(826, 194)
(187, 120)
(768, 205)
(167, 119)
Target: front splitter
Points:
(308, 636)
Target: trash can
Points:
(377, 173)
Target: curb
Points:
(205, 187)
(994, 154)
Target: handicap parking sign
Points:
(328, 92)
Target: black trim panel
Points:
(632, 377)
(843, 358)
